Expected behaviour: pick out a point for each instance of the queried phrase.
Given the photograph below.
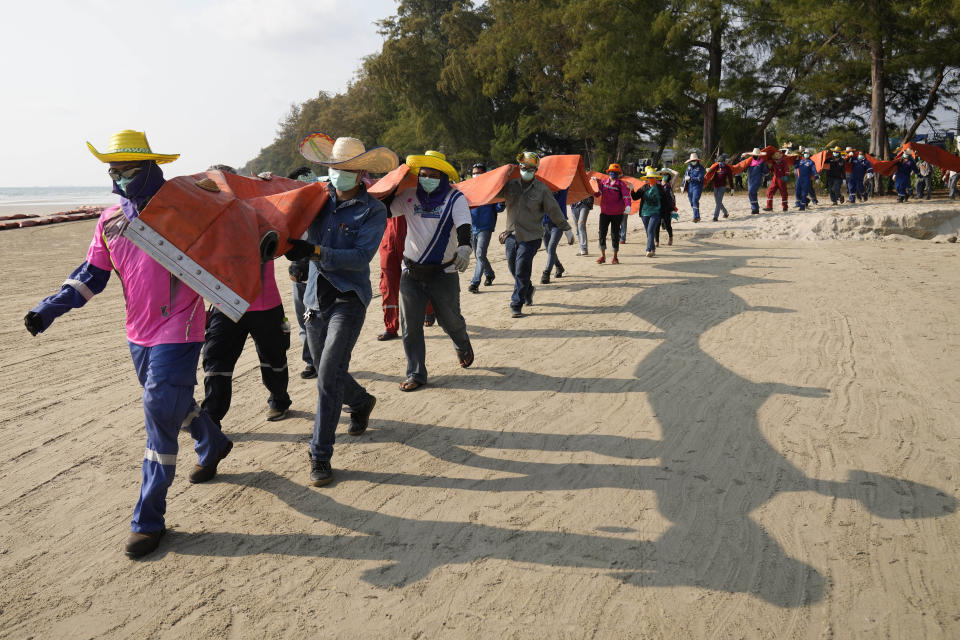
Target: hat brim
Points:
(431, 162)
(318, 148)
(132, 156)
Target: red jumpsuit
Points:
(778, 169)
(391, 263)
(391, 260)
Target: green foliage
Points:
(613, 79)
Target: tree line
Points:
(616, 80)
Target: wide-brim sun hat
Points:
(347, 154)
(650, 172)
(432, 160)
(131, 146)
(693, 157)
(614, 167)
(837, 150)
(756, 153)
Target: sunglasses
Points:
(115, 173)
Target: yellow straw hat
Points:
(131, 146)
(650, 172)
(432, 160)
(347, 154)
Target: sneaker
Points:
(308, 372)
(321, 473)
(202, 473)
(559, 273)
(360, 419)
(488, 281)
(726, 215)
(649, 254)
(614, 261)
(601, 260)
(382, 337)
(429, 320)
(545, 278)
(696, 219)
(530, 295)
(670, 240)
(474, 287)
(274, 414)
(516, 314)
(140, 544)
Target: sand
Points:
(752, 435)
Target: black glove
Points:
(33, 322)
(301, 249)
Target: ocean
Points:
(46, 200)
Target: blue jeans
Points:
(332, 332)
(623, 228)
(168, 374)
(443, 290)
(551, 238)
(481, 242)
(651, 224)
(520, 263)
(580, 223)
(718, 194)
(299, 308)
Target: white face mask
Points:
(343, 180)
(526, 174)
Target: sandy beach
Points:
(752, 435)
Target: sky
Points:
(208, 79)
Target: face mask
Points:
(694, 163)
(860, 157)
(806, 155)
(527, 175)
(429, 184)
(342, 180)
(123, 182)
(613, 175)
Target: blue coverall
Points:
(694, 179)
(806, 173)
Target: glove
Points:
(33, 322)
(462, 258)
(503, 236)
(729, 189)
(626, 209)
(301, 249)
(265, 175)
(569, 235)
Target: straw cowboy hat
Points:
(837, 149)
(650, 172)
(693, 157)
(756, 153)
(432, 160)
(131, 146)
(347, 154)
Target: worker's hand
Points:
(462, 258)
(503, 236)
(265, 175)
(626, 209)
(301, 249)
(729, 189)
(33, 322)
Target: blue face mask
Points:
(613, 175)
(342, 180)
(123, 182)
(526, 174)
(429, 184)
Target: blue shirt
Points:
(484, 217)
(348, 234)
(561, 198)
(695, 174)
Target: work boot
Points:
(360, 419)
(321, 473)
(474, 287)
(309, 372)
(488, 281)
(545, 278)
(274, 414)
(559, 272)
(204, 473)
(140, 544)
(530, 295)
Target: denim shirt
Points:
(348, 234)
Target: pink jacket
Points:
(614, 197)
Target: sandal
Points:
(465, 357)
(411, 384)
